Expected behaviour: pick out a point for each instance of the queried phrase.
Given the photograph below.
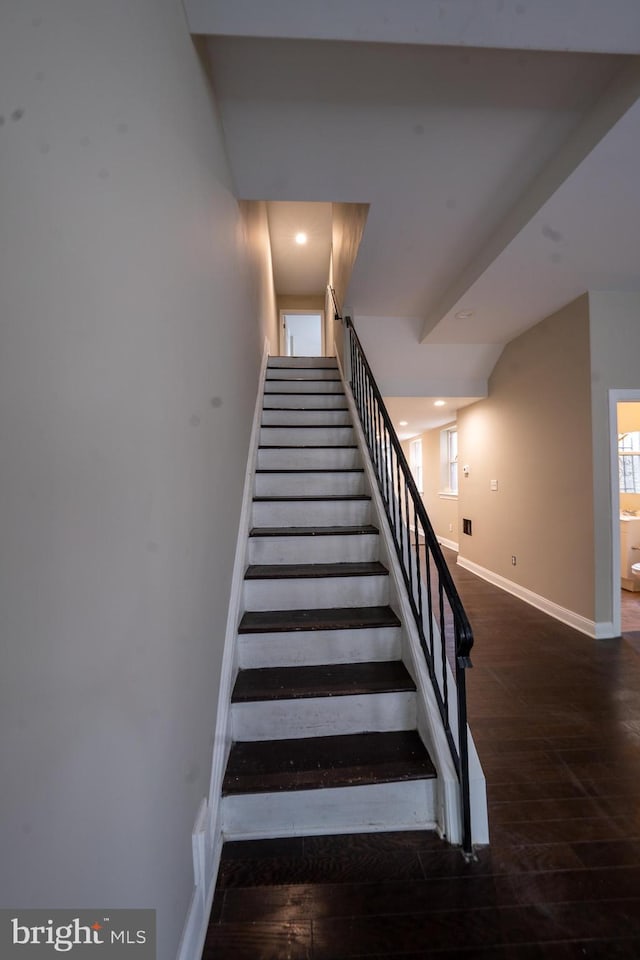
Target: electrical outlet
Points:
(513, 561)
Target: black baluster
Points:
(418, 575)
(408, 522)
(443, 653)
(430, 610)
(398, 509)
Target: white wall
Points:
(128, 361)
(404, 367)
(256, 224)
(551, 24)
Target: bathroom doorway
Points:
(302, 333)
(625, 488)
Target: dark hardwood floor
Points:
(630, 617)
(556, 719)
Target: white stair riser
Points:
(340, 418)
(351, 548)
(311, 592)
(407, 805)
(301, 373)
(307, 458)
(323, 716)
(311, 513)
(315, 647)
(312, 436)
(304, 386)
(310, 401)
(309, 484)
(302, 362)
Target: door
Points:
(302, 333)
(624, 424)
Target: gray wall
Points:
(533, 435)
(129, 354)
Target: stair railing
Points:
(444, 631)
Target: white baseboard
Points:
(450, 544)
(207, 832)
(605, 630)
(206, 860)
(593, 629)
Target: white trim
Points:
(372, 807)
(266, 833)
(445, 495)
(450, 544)
(597, 631)
(206, 860)
(207, 831)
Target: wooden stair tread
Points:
(303, 393)
(306, 409)
(306, 426)
(297, 470)
(302, 571)
(365, 529)
(313, 497)
(332, 618)
(301, 379)
(320, 762)
(308, 446)
(327, 680)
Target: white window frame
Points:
(629, 450)
(415, 462)
(447, 490)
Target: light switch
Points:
(494, 484)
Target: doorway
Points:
(302, 333)
(625, 488)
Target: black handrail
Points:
(439, 615)
(336, 309)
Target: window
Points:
(629, 462)
(449, 462)
(452, 459)
(415, 462)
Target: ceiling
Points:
(300, 268)
(412, 416)
(497, 143)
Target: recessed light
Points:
(301, 238)
(439, 403)
(403, 423)
(464, 314)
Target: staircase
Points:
(324, 712)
